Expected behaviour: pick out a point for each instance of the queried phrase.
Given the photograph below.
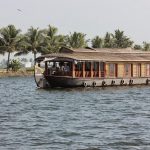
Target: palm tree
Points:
(9, 40)
(97, 42)
(52, 42)
(146, 46)
(76, 40)
(31, 43)
(1, 50)
(137, 47)
(108, 40)
(120, 40)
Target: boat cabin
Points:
(93, 67)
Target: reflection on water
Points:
(75, 118)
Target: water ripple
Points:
(73, 119)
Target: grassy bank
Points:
(20, 73)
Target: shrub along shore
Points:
(19, 73)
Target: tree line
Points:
(48, 40)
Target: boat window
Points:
(87, 66)
(101, 66)
(95, 66)
(78, 66)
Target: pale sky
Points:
(92, 17)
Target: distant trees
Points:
(137, 47)
(76, 40)
(97, 42)
(49, 41)
(146, 46)
(9, 40)
(120, 40)
(116, 40)
(108, 41)
(32, 42)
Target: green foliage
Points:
(9, 40)
(117, 40)
(31, 42)
(137, 47)
(108, 40)
(97, 42)
(146, 46)
(49, 41)
(30, 69)
(120, 40)
(52, 42)
(76, 40)
(15, 65)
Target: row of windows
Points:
(79, 66)
(128, 70)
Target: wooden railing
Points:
(60, 73)
(88, 74)
(102, 74)
(78, 74)
(95, 74)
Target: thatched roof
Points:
(106, 55)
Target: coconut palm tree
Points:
(146, 46)
(9, 40)
(77, 40)
(97, 42)
(117, 40)
(52, 42)
(108, 41)
(137, 47)
(31, 42)
(1, 50)
(120, 40)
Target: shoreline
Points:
(16, 74)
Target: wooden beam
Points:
(91, 69)
(83, 69)
(73, 70)
(99, 70)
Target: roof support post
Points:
(99, 70)
(91, 69)
(83, 69)
(105, 73)
(73, 70)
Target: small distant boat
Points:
(93, 67)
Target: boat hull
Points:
(57, 81)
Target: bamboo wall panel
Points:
(120, 70)
(143, 69)
(134, 70)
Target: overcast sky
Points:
(92, 17)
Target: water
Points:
(70, 119)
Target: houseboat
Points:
(93, 67)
